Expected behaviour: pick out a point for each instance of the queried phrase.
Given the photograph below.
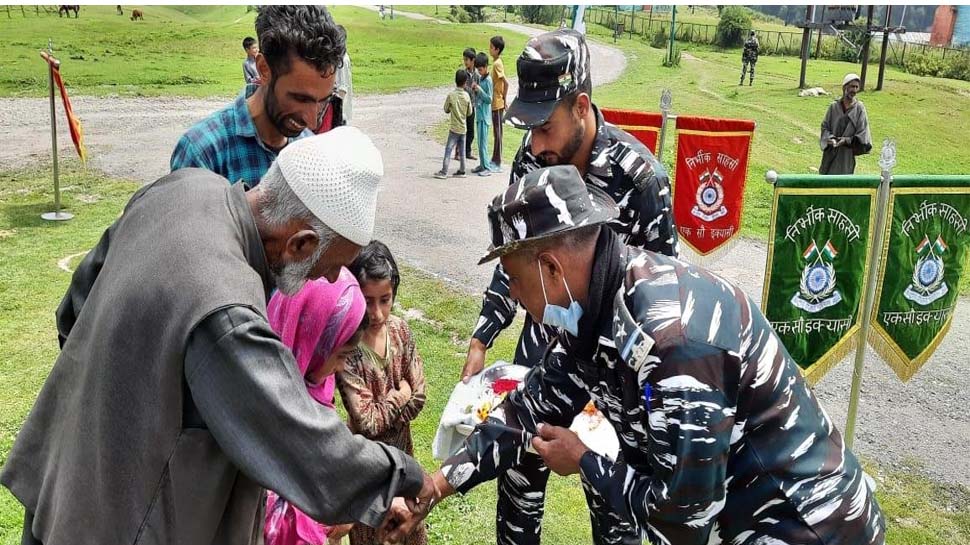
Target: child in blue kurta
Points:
(483, 115)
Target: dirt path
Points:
(439, 226)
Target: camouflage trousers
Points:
(744, 68)
(522, 489)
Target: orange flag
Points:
(77, 134)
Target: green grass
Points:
(918, 511)
(197, 50)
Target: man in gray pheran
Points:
(172, 403)
(845, 131)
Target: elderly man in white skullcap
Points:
(845, 130)
(172, 403)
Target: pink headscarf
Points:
(319, 319)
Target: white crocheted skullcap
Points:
(849, 78)
(336, 174)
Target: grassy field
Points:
(197, 50)
(31, 285)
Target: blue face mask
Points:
(556, 316)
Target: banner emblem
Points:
(928, 284)
(710, 197)
(817, 287)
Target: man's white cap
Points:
(336, 174)
(849, 78)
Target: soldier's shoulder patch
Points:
(632, 343)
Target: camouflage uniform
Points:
(721, 439)
(749, 57)
(625, 169)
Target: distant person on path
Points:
(554, 105)
(501, 90)
(250, 72)
(457, 106)
(483, 114)
(468, 58)
(749, 58)
(301, 49)
(845, 131)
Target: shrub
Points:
(731, 28)
(659, 39)
(675, 59)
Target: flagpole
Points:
(56, 215)
(887, 161)
(666, 103)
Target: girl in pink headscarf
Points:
(322, 325)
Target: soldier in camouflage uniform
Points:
(749, 58)
(564, 127)
(721, 440)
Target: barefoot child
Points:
(322, 324)
(382, 385)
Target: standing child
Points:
(468, 58)
(483, 114)
(382, 385)
(501, 85)
(250, 73)
(457, 104)
(322, 325)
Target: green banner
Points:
(924, 256)
(818, 261)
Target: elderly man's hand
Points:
(435, 489)
(560, 448)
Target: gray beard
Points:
(291, 277)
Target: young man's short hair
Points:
(498, 43)
(469, 53)
(461, 77)
(248, 42)
(305, 32)
(481, 60)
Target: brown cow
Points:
(137, 14)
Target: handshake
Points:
(406, 513)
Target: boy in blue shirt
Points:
(483, 114)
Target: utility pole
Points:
(885, 45)
(806, 43)
(865, 49)
(673, 30)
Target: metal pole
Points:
(887, 161)
(56, 215)
(666, 101)
(673, 30)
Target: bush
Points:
(542, 15)
(958, 67)
(924, 65)
(659, 39)
(459, 15)
(731, 28)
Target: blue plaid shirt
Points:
(226, 143)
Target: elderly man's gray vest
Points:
(103, 457)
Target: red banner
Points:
(644, 126)
(73, 123)
(712, 165)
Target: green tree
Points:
(734, 22)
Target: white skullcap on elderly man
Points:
(849, 78)
(336, 175)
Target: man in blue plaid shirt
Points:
(301, 49)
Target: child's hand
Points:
(338, 532)
(404, 388)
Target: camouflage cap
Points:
(544, 203)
